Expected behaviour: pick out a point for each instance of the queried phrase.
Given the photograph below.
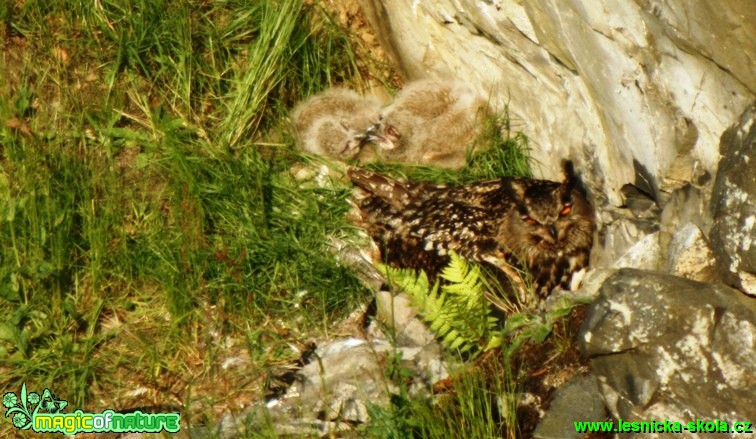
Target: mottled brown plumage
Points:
(544, 226)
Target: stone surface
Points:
(359, 258)
(619, 231)
(633, 91)
(645, 254)
(686, 205)
(690, 256)
(396, 313)
(590, 287)
(577, 400)
(332, 393)
(668, 347)
(733, 204)
(348, 376)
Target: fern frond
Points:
(408, 280)
(460, 311)
(465, 281)
(463, 277)
(457, 311)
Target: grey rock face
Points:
(333, 392)
(690, 255)
(619, 232)
(667, 347)
(396, 313)
(733, 204)
(630, 90)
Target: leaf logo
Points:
(29, 404)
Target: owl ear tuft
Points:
(568, 172)
(572, 180)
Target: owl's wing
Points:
(394, 192)
(399, 194)
(484, 194)
(420, 235)
(444, 225)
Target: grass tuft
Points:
(478, 403)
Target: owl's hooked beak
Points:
(552, 231)
(372, 135)
(361, 139)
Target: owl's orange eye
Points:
(566, 209)
(529, 220)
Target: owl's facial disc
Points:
(542, 224)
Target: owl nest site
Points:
(533, 234)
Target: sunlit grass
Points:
(479, 403)
(143, 231)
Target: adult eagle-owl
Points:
(543, 226)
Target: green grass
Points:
(480, 403)
(139, 220)
(150, 226)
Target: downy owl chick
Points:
(430, 122)
(543, 226)
(335, 122)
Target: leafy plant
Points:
(461, 310)
(481, 403)
(456, 310)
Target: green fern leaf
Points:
(457, 311)
(494, 342)
(440, 326)
(458, 343)
(451, 336)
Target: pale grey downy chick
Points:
(331, 136)
(336, 122)
(430, 122)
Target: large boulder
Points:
(733, 204)
(664, 347)
(576, 399)
(634, 91)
